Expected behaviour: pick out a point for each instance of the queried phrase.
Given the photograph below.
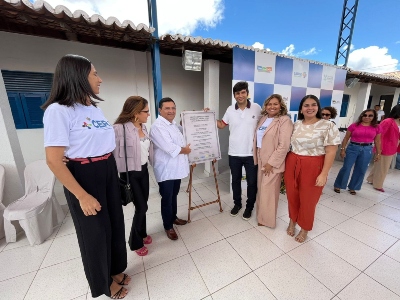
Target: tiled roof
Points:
(190, 42)
(41, 19)
(79, 16)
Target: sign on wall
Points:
(290, 77)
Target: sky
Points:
(307, 29)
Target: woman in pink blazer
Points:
(138, 152)
(271, 144)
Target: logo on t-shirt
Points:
(96, 124)
(87, 125)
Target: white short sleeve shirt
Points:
(242, 124)
(380, 114)
(82, 130)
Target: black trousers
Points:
(139, 181)
(101, 237)
(236, 163)
(169, 190)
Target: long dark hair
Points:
(300, 116)
(374, 121)
(395, 112)
(132, 106)
(70, 82)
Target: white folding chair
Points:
(38, 211)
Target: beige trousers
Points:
(379, 171)
(267, 197)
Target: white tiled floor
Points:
(352, 253)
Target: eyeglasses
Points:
(326, 115)
(368, 116)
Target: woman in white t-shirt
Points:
(133, 117)
(74, 127)
(313, 148)
(270, 146)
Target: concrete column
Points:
(10, 151)
(362, 99)
(394, 103)
(396, 97)
(211, 97)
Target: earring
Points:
(135, 119)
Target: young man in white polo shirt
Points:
(242, 118)
(379, 112)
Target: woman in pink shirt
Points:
(362, 135)
(390, 141)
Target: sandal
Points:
(381, 190)
(352, 192)
(118, 294)
(302, 236)
(147, 240)
(142, 251)
(122, 282)
(337, 190)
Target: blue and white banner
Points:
(290, 77)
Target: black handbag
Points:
(125, 186)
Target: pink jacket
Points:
(132, 147)
(275, 143)
(390, 136)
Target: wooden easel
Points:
(189, 190)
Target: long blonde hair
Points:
(282, 112)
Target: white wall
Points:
(376, 92)
(124, 73)
(225, 99)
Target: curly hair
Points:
(332, 110)
(282, 112)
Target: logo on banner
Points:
(300, 74)
(328, 78)
(264, 69)
(285, 99)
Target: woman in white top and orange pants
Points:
(313, 148)
(133, 116)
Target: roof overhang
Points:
(380, 79)
(40, 19)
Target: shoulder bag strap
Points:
(126, 159)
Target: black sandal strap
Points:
(118, 294)
(122, 282)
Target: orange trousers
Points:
(301, 172)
